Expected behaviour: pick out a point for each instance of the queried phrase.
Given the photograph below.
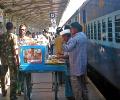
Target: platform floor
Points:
(43, 91)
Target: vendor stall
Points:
(38, 63)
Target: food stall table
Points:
(38, 66)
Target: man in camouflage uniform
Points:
(9, 48)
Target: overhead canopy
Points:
(72, 7)
(35, 12)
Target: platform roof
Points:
(34, 11)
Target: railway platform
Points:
(43, 91)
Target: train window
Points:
(95, 31)
(84, 16)
(99, 30)
(76, 19)
(88, 31)
(104, 29)
(69, 21)
(110, 37)
(117, 28)
(91, 31)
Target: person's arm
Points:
(15, 47)
(63, 57)
(70, 45)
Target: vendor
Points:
(66, 35)
(23, 40)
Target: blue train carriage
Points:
(101, 21)
(74, 18)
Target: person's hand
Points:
(63, 41)
(17, 63)
(59, 53)
(16, 60)
(57, 57)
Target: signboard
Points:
(52, 29)
(52, 15)
(33, 56)
(53, 21)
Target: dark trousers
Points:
(3, 71)
(13, 82)
(20, 82)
